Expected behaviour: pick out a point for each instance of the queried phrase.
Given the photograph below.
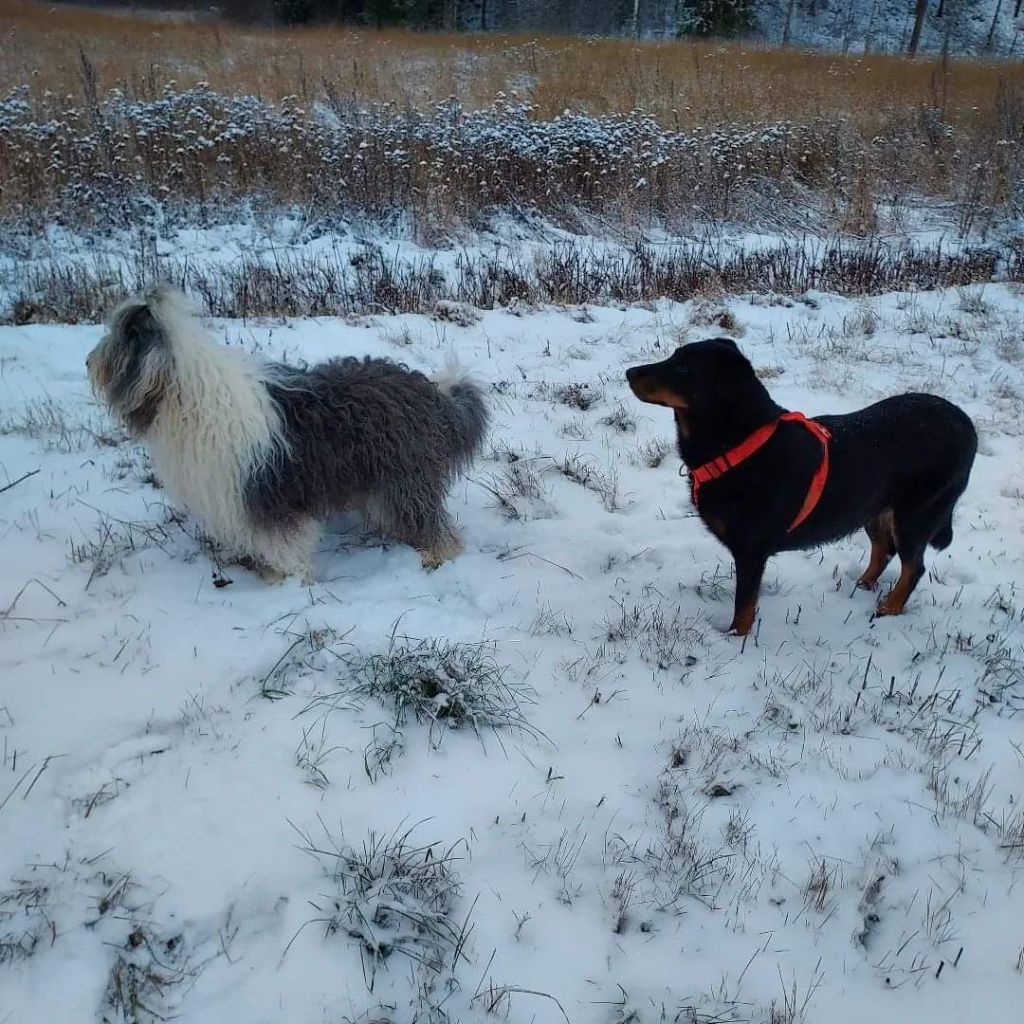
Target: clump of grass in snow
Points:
(577, 395)
(310, 651)
(114, 540)
(684, 864)
(145, 973)
(447, 684)
(651, 453)
(793, 1005)
(24, 919)
(392, 895)
(46, 418)
(620, 418)
(516, 483)
(660, 636)
(603, 482)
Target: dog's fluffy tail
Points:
(467, 411)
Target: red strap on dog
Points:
(758, 439)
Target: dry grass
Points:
(118, 116)
(683, 84)
(365, 282)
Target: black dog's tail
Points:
(467, 413)
(941, 540)
(943, 536)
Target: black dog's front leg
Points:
(749, 571)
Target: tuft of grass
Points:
(114, 540)
(47, 419)
(577, 395)
(515, 484)
(621, 419)
(661, 636)
(309, 652)
(683, 864)
(391, 896)
(448, 684)
(147, 970)
(602, 482)
(25, 919)
(651, 453)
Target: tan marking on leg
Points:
(743, 619)
(896, 599)
(883, 543)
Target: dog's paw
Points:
(432, 559)
(727, 626)
(269, 574)
(886, 608)
(436, 555)
(866, 583)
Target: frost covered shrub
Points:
(198, 155)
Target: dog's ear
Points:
(140, 330)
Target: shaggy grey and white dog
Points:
(263, 453)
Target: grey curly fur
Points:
(368, 433)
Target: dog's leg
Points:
(282, 554)
(912, 532)
(749, 572)
(911, 572)
(883, 547)
(423, 524)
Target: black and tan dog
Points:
(765, 480)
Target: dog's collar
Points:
(758, 439)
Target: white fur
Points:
(450, 374)
(216, 425)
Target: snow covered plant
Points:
(195, 153)
(391, 895)
(445, 683)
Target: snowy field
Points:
(538, 784)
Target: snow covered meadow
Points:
(537, 784)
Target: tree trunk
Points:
(636, 19)
(942, 9)
(1016, 10)
(992, 27)
(786, 29)
(915, 36)
(869, 35)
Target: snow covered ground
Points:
(205, 785)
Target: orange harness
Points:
(758, 439)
